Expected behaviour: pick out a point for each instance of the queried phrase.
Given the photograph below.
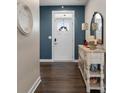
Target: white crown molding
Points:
(63, 2)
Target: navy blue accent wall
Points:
(46, 28)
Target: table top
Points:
(99, 49)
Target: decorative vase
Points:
(94, 67)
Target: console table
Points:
(91, 65)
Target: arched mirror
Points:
(96, 27)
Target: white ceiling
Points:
(63, 2)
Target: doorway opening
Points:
(63, 36)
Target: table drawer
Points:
(94, 55)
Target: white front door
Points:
(62, 40)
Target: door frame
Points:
(73, 32)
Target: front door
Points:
(62, 34)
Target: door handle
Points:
(55, 43)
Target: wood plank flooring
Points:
(60, 77)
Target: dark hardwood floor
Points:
(60, 78)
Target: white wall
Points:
(91, 7)
(28, 52)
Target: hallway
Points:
(54, 38)
(60, 78)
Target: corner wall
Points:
(28, 64)
(91, 7)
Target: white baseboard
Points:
(76, 60)
(35, 85)
(51, 60)
(46, 60)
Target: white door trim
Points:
(73, 29)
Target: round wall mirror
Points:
(96, 27)
(24, 18)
